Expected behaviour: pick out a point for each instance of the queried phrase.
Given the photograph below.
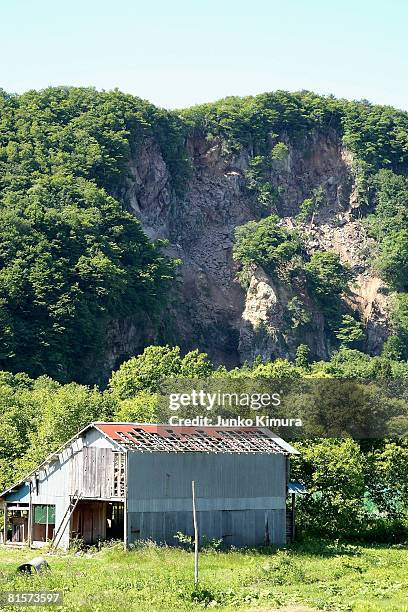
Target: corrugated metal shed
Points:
(133, 480)
(167, 438)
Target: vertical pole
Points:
(46, 524)
(30, 517)
(5, 522)
(293, 518)
(125, 502)
(195, 534)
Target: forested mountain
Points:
(244, 228)
(267, 237)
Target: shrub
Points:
(280, 151)
(392, 261)
(332, 471)
(265, 243)
(350, 332)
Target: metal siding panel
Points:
(160, 483)
(238, 528)
(168, 475)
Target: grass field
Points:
(303, 577)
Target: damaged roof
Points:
(168, 438)
(146, 437)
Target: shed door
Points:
(89, 521)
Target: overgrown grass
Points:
(306, 576)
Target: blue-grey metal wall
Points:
(241, 498)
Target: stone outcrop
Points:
(209, 310)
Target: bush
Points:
(265, 243)
(384, 531)
(392, 261)
(333, 474)
(328, 279)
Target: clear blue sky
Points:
(181, 52)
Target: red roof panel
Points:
(168, 438)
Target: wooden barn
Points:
(132, 482)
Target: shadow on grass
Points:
(318, 548)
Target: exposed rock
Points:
(210, 310)
(267, 329)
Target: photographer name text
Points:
(259, 421)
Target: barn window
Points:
(43, 522)
(44, 514)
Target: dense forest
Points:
(358, 487)
(74, 257)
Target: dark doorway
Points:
(17, 524)
(115, 521)
(95, 521)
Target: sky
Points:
(184, 52)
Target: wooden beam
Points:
(125, 503)
(30, 517)
(5, 524)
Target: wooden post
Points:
(5, 522)
(195, 534)
(293, 517)
(30, 516)
(125, 502)
(46, 524)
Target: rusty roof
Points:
(147, 437)
(144, 437)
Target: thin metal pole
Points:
(195, 534)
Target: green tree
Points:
(62, 410)
(392, 261)
(144, 372)
(327, 274)
(328, 279)
(140, 409)
(280, 151)
(333, 474)
(310, 207)
(350, 332)
(265, 243)
(72, 259)
(302, 356)
(397, 344)
(299, 316)
(388, 478)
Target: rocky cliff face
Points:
(209, 309)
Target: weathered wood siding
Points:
(92, 473)
(89, 521)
